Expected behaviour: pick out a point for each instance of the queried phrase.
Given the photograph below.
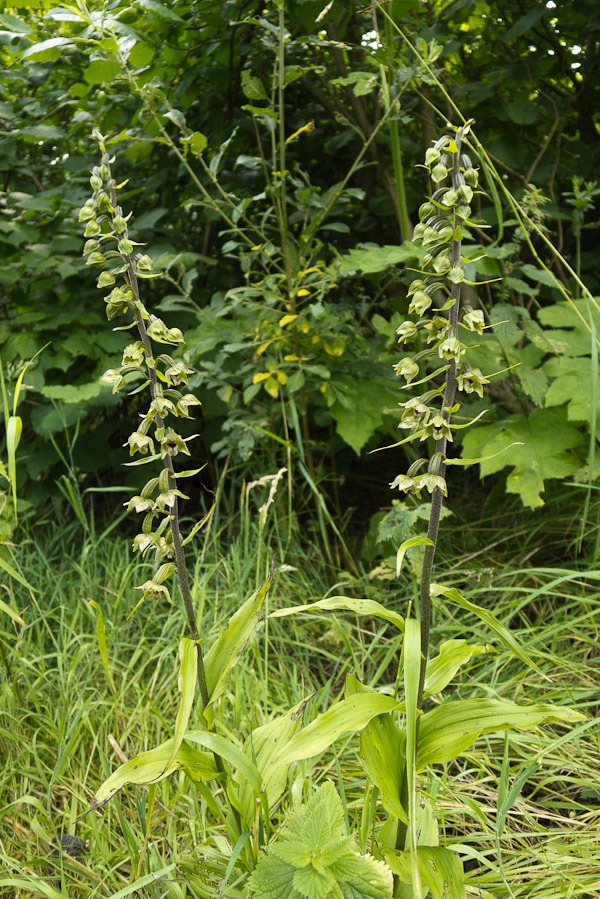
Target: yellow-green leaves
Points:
(449, 729)
(229, 645)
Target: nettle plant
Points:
(243, 777)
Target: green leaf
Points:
(382, 752)
(47, 51)
(526, 22)
(158, 9)
(229, 645)
(263, 743)
(14, 24)
(358, 408)
(347, 716)
(8, 611)
(573, 386)
(489, 619)
(73, 393)
(312, 859)
(155, 765)
(101, 71)
(253, 87)
(419, 540)
(362, 83)
(453, 655)
(522, 111)
(102, 647)
(228, 750)
(368, 607)
(547, 441)
(42, 132)
(449, 729)
(188, 674)
(12, 572)
(197, 142)
(439, 869)
(371, 258)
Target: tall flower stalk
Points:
(442, 219)
(109, 247)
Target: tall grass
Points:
(524, 813)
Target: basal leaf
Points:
(547, 441)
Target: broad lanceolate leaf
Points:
(349, 715)
(543, 447)
(261, 746)
(439, 869)
(488, 618)
(382, 752)
(229, 645)
(449, 729)
(228, 750)
(188, 674)
(154, 765)
(369, 607)
(452, 656)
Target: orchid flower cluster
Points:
(109, 247)
(440, 229)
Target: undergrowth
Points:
(522, 810)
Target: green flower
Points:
(140, 443)
(472, 381)
(406, 331)
(407, 368)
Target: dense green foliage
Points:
(320, 730)
(273, 177)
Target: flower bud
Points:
(92, 228)
(125, 246)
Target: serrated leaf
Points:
(541, 445)
(253, 87)
(449, 729)
(573, 385)
(371, 258)
(312, 858)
